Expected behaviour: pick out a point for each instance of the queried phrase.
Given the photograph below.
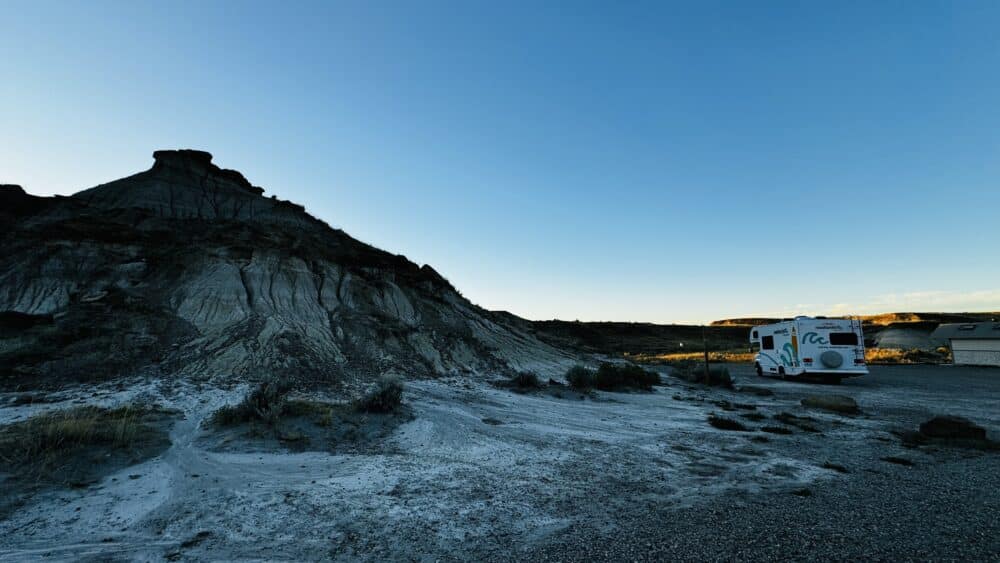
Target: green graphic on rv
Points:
(813, 338)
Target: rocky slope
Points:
(186, 269)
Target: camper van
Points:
(828, 348)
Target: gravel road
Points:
(945, 507)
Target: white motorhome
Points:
(830, 348)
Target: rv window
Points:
(767, 343)
(844, 338)
(755, 334)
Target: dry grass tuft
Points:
(47, 441)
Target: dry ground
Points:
(485, 473)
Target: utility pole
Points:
(704, 343)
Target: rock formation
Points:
(186, 269)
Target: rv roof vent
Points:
(801, 317)
(820, 317)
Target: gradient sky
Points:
(660, 161)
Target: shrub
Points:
(580, 377)
(694, 372)
(385, 398)
(610, 377)
(525, 380)
(264, 404)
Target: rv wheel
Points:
(781, 372)
(760, 370)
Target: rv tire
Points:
(760, 370)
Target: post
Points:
(704, 343)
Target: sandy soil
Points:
(478, 473)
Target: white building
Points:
(972, 344)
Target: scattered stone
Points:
(291, 436)
(899, 461)
(196, 539)
(834, 403)
(492, 421)
(726, 423)
(758, 391)
(952, 428)
(800, 422)
(835, 467)
(802, 493)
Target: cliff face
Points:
(187, 269)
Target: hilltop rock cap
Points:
(200, 162)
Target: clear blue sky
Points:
(660, 161)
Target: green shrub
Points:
(580, 377)
(385, 398)
(610, 377)
(525, 380)
(266, 403)
(694, 372)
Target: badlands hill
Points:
(187, 269)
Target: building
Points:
(972, 344)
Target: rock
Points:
(186, 269)
(953, 428)
(754, 390)
(833, 403)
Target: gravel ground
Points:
(486, 474)
(945, 507)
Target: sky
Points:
(632, 161)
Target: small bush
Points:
(610, 377)
(385, 398)
(726, 423)
(264, 404)
(694, 372)
(526, 380)
(580, 377)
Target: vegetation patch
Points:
(776, 430)
(723, 423)
(268, 418)
(78, 446)
(612, 377)
(754, 416)
(694, 372)
(893, 356)
(386, 397)
(266, 404)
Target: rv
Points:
(829, 348)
